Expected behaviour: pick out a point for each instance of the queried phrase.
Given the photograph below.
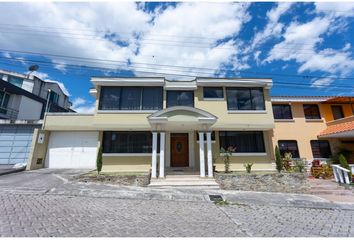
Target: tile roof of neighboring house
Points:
(321, 99)
(338, 128)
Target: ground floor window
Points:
(127, 142)
(320, 149)
(286, 146)
(242, 141)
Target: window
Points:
(282, 111)
(205, 138)
(53, 97)
(127, 142)
(320, 149)
(286, 146)
(244, 142)
(130, 98)
(245, 99)
(213, 93)
(337, 112)
(4, 101)
(311, 111)
(180, 98)
(16, 81)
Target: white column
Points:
(154, 155)
(210, 159)
(162, 155)
(201, 154)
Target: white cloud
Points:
(81, 105)
(273, 27)
(210, 22)
(336, 9)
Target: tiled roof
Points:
(338, 128)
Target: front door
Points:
(179, 150)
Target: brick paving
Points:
(39, 204)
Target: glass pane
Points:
(311, 111)
(243, 99)
(213, 92)
(281, 111)
(337, 112)
(231, 99)
(257, 99)
(288, 146)
(152, 98)
(109, 98)
(243, 142)
(130, 98)
(16, 81)
(180, 98)
(127, 142)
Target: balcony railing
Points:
(8, 113)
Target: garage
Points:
(72, 150)
(15, 142)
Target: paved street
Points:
(45, 203)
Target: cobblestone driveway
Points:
(41, 204)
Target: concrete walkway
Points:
(331, 190)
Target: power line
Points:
(96, 60)
(189, 75)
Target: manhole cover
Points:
(215, 198)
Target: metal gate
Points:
(15, 142)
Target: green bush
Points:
(248, 167)
(299, 165)
(99, 160)
(278, 160)
(344, 163)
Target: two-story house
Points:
(314, 127)
(23, 101)
(149, 123)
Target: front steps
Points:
(178, 180)
(329, 187)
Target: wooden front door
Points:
(179, 150)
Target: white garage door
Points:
(72, 150)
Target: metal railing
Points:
(8, 113)
(342, 175)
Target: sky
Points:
(306, 48)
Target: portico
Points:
(179, 125)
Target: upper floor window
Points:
(16, 81)
(282, 111)
(245, 99)
(312, 111)
(213, 93)
(337, 111)
(243, 141)
(320, 149)
(130, 98)
(180, 98)
(288, 146)
(4, 101)
(53, 97)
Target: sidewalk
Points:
(8, 168)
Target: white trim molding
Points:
(126, 154)
(247, 111)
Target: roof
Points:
(321, 99)
(338, 128)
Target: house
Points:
(23, 101)
(152, 123)
(313, 127)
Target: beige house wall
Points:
(299, 129)
(38, 150)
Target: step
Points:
(336, 192)
(183, 183)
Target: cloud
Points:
(81, 105)
(339, 9)
(273, 27)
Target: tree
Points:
(99, 160)
(278, 160)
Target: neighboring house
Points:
(153, 123)
(313, 127)
(23, 101)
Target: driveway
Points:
(45, 203)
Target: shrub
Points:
(248, 167)
(299, 165)
(344, 163)
(99, 160)
(278, 161)
(227, 153)
(287, 161)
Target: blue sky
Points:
(305, 47)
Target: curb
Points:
(12, 170)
